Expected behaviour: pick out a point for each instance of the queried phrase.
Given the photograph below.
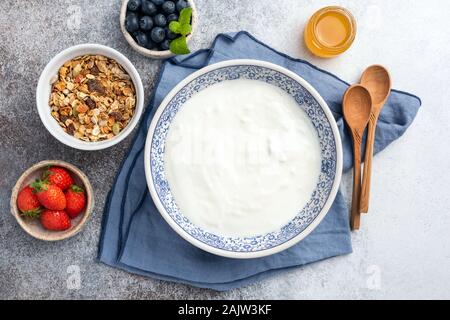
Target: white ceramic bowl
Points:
(307, 218)
(44, 89)
(153, 53)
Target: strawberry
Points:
(49, 195)
(76, 200)
(58, 176)
(55, 220)
(28, 203)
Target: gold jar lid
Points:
(330, 31)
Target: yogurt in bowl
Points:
(250, 160)
(243, 158)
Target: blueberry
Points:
(165, 45)
(158, 34)
(172, 17)
(150, 44)
(132, 22)
(181, 4)
(141, 38)
(160, 20)
(171, 35)
(158, 2)
(168, 7)
(146, 23)
(134, 5)
(148, 8)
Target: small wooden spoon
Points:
(357, 107)
(377, 80)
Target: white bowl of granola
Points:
(90, 97)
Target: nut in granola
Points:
(93, 98)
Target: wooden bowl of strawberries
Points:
(52, 200)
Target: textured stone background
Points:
(404, 242)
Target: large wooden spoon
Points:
(377, 80)
(357, 107)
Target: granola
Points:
(92, 98)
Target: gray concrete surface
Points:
(403, 249)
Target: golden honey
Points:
(330, 32)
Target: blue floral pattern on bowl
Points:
(305, 100)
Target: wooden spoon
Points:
(377, 80)
(357, 107)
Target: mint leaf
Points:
(185, 29)
(179, 46)
(185, 16)
(175, 27)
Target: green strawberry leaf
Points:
(34, 213)
(185, 16)
(175, 27)
(179, 46)
(46, 173)
(76, 188)
(39, 185)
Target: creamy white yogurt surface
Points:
(242, 158)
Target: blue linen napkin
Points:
(135, 237)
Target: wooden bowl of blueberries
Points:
(158, 29)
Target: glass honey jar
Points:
(330, 32)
